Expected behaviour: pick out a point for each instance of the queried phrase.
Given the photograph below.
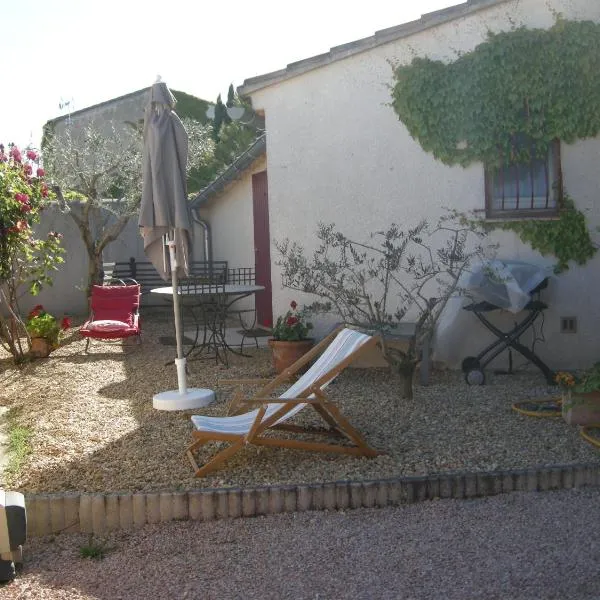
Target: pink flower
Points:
(41, 172)
(20, 226)
(44, 190)
(293, 304)
(16, 154)
(3, 157)
(32, 155)
(25, 207)
(28, 170)
(22, 198)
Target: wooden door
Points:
(262, 248)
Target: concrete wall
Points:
(338, 153)
(128, 108)
(231, 221)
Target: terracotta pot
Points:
(286, 353)
(40, 347)
(581, 409)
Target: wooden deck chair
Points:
(334, 354)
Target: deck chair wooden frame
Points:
(270, 412)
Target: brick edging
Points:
(101, 513)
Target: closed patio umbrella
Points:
(165, 217)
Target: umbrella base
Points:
(174, 400)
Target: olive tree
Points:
(393, 276)
(97, 170)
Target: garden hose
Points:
(549, 407)
(585, 433)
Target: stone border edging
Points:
(101, 513)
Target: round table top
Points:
(198, 290)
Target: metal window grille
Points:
(525, 187)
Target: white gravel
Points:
(518, 546)
(94, 429)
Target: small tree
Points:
(25, 260)
(378, 284)
(99, 173)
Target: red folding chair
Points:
(114, 313)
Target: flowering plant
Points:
(42, 324)
(292, 326)
(588, 381)
(25, 259)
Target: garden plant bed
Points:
(94, 429)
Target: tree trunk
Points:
(94, 271)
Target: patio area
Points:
(93, 428)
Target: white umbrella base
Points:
(174, 400)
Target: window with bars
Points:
(530, 188)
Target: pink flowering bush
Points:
(25, 261)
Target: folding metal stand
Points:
(473, 366)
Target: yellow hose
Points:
(539, 413)
(584, 432)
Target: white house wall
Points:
(230, 216)
(338, 153)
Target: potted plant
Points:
(580, 396)
(45, 331)
(290, 339)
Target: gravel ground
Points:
(94, 429)
(518, 546)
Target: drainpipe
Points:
(207, 237)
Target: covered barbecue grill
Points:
(515, 287)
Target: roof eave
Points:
(232, 173)
(383, 36)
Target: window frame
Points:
(528, 213)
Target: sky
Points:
(82, 53)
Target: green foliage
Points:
(231, 97)
(589, 381)
(544, 84)
(19, 445)
(26, 262)
(541, 84)
(95, 550)
(190, 107)
(567, 238)
(291, 327)
(44, 325)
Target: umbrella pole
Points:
(183, 398)
(180, 360)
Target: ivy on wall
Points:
(543, 84)
(567, 238)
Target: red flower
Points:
(28, 170)
(293, 304)
(44, 190)
(291, 321)
(35, 311)
(41, 172)
(31, 155)
(22, 198)
(25, 207)
(65, 323)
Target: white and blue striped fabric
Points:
(344, 344)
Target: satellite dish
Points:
(235, 112)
